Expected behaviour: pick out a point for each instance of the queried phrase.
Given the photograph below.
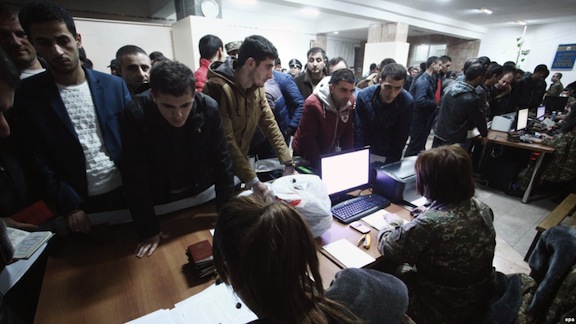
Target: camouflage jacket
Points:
(562, 165)
(451, 248)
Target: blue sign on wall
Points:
(565, 57)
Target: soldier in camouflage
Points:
(449, 248)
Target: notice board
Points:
(565, 57)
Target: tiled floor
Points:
(515, 224)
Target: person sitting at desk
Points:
(559, 172)
(265, 251)
(174, 149)
(450, 246)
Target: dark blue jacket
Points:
(50, 141)
(423, 91)
(288, 107)
(385, 127)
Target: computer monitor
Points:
(345, 171)
(553, 103)
(541, 112)
(522, 119)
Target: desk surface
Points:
(502, 138)
(98, 278)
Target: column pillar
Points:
(386, 41)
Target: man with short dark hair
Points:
(556, 87)
(532, 87)
(211, 50)
(327, 119)
(238, 87)
(14, 42)
(133, 65)
(335, 64)
(461, 110)
(174, 151)
(315, 71)
(426, 104)
(383, 115)
(69, 120)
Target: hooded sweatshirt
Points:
(242, 111)
(324, 128)
(460, 111)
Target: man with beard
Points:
(315, 72)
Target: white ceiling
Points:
(443, 15)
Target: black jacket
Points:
(160, 159)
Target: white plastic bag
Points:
(308, 194)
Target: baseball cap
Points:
(113, 63)
(295, 63)
(232, 46)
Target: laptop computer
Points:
(555, 103)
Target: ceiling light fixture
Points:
(486, 11)
(336, 33)
(521, 22)
(311, 11)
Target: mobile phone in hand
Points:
(360, 227)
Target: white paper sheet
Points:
(348, 254)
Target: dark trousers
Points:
(422, 122)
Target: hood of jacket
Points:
(322, 91)
(224, 70)
(458, 88)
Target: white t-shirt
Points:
(28, 73)
(101, 172)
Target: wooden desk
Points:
(342, 231)
(99, 279)
(501, 138)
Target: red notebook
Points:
(200, 252)
(35, 214)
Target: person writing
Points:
(449, 248)
(265, 251)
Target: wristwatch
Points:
(290, 164)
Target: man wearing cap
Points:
(238, 87)
(113, 67)
(315, 71)
(295, 68)
(233, 47)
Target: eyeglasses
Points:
(295, 66)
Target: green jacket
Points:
(242, 112)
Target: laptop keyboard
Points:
(353, 209)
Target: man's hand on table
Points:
(261, 189)
(149, 245)
(289, 170)
(78, 222)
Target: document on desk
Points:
(348, 254)
(377, 219)
(214, 305)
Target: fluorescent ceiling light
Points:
(311, 11)
(335, 32)
(521, 22)
(486, 11)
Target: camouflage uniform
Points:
(451, 248)
(561, 167)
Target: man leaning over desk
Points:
(174, 150)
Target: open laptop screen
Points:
(343, 172)
(522, 120)
(541, 112)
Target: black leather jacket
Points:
(159, 159)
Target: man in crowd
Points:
(211, 50)
(335, 64)
(327, 119)
(556, 87)
(134, 67)
(14, 42)
(238, 87)
(233, 47)
(532, 87)
(383, 115)
(174, 150)
(68, 119)
(461, 110)
(295, 67)
(426, 101)
(315, 71)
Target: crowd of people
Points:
(154, 132)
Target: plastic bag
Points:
(308, 194)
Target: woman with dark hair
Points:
(449, 248)
(266, 252)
